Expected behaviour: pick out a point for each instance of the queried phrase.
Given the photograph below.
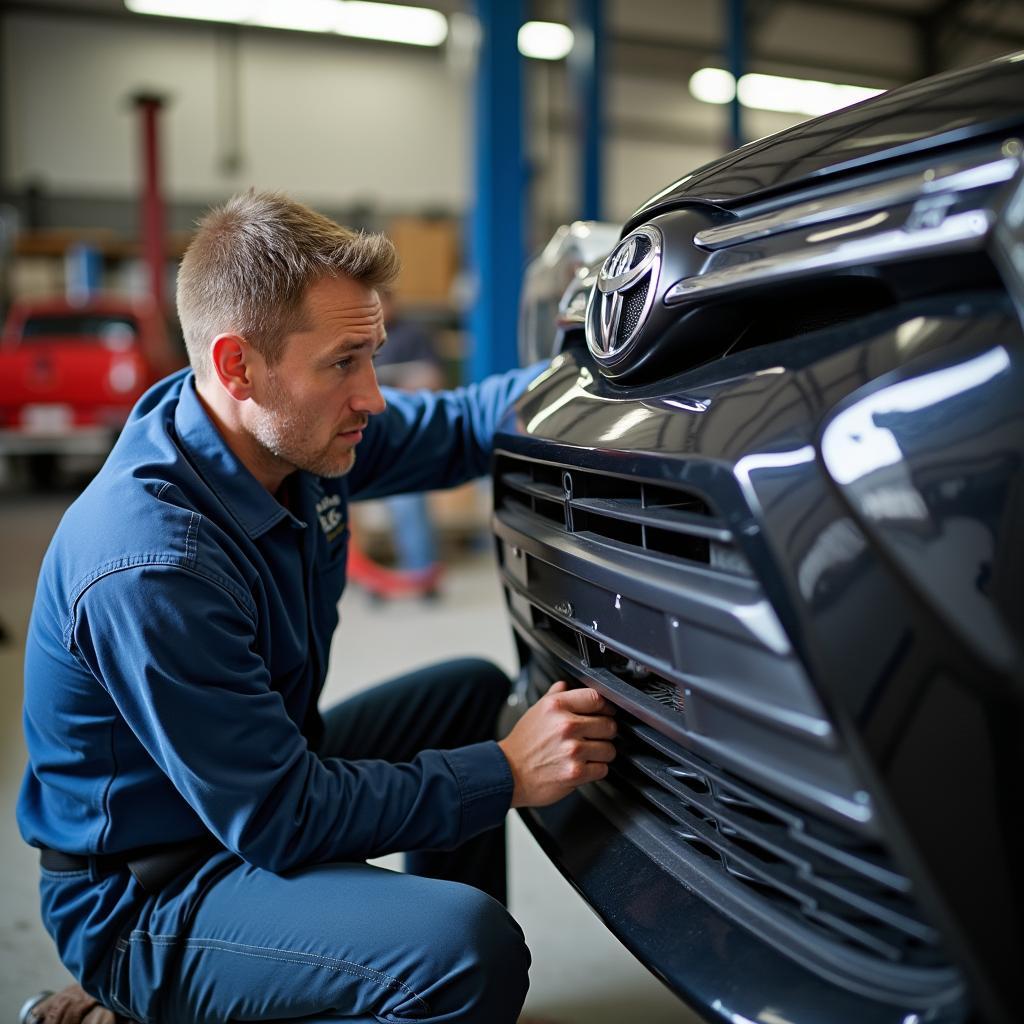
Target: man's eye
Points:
(344, 364)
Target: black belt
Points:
(98, 863)
(152, 866)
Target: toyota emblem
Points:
(630, 273)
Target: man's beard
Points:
(285, 430)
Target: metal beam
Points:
(736, 49)
(946, 9)
(151, 214)
(496, 234)
(942, 20)
(867, 7)
(5, 71)
(656, 57)
(645, 129)
(587, 67)
(963, 24)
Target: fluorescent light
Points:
(393, 23)
(774, 92)
(299, 15)
(713, 85)
(200, 10)
(798, 95)
(418, 26)
(545, 40)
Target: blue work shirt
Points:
(179, 641)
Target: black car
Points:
(769, 499)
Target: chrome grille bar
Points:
(951, 177)
(961, 231)
(663, 518)
(524, 484)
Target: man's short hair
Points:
(249, 266)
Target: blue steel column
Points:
(736, 39)
(586, 64)
(496, 233)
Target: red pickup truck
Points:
(70, 373)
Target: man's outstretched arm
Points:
(177, 655)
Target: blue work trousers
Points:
(342, 941)
(413, 531)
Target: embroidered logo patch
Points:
(332, 522)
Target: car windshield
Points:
(113, 330)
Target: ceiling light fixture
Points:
(298, 15)
(545, 40)
(775, 92)
(712, 85)
(392, 23)
(199, 10)
(396, 23)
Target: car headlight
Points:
(554, 287)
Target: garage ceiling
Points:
(805, 37)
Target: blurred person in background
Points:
(409, 361)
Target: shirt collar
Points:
(255, 508)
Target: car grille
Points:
(936, 210)
(635, 586)
(779, 267)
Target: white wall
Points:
(68, 119)
(324, 119)
(333, 123)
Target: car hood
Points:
(949, 108)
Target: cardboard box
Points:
(430, 252)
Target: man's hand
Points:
(561, 742)
(71, 1005)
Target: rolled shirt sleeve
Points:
(174, 648)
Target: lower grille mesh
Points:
(842, 889)
(838, 884)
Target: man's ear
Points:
(232, 358)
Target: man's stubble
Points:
(285, 429)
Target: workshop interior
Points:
(764, 492)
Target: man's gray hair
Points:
(249, 266)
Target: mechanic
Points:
(203, 828)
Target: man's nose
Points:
(368, 397)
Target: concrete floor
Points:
(581, 975)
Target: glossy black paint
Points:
(938, 112)
(931, 713)
(871, 475)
